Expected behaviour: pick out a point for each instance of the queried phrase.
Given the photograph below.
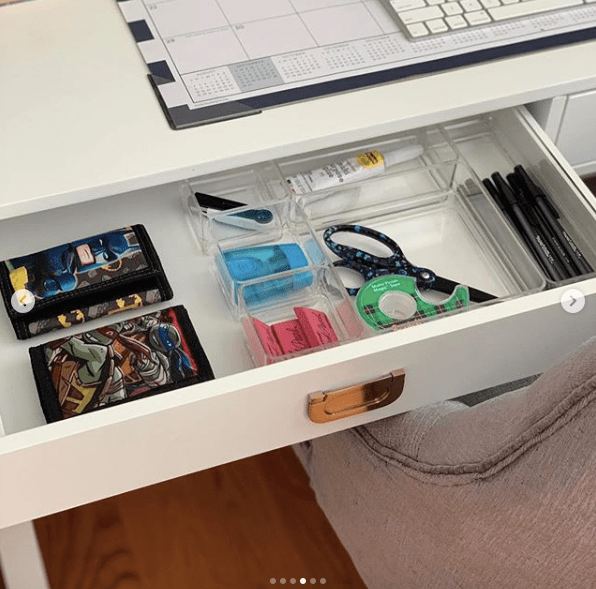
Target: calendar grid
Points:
(232, 51)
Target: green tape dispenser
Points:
(393, 299)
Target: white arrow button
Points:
(23, 300)
(573, 301)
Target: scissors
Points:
(371, 266)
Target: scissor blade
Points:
(447, 286)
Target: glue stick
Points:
(363, 165)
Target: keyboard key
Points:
(417, 30)
(470, 5)
(480, 17)
(530, 7)
(456, 22)
(424, 18)
(452, 8)
(401, 5)
(437, 25)
(421, 14)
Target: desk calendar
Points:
(211, 60)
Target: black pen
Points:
(494, 193)
(536, 220)
(535, 240)
(551, 216)
(496, 196)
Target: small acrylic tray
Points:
(406, 166)
(283, 252)
(251, 186)
(316, 317)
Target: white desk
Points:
(79, 121)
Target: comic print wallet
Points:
(147, 355)
(82, 280)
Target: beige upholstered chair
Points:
(498, 495)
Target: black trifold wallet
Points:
(143, 356)
(82, 280)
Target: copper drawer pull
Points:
(325, 407)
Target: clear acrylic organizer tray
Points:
(284, 249)
(403, 163)
(252, 186)
(316, 317)
(481, 144)
(432, 205)
(453, 228)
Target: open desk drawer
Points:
(247, 410)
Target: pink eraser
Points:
(316, 326)
(290, 336)
(267, 338)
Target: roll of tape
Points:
(390, 300)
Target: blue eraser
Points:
(244, 264)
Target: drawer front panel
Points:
(66, 464)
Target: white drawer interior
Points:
(473, 149)
(161, 211)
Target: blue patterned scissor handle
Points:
(371, 266)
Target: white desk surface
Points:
(79, 120)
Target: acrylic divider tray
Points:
(386, 163)
(487, 149)
(248, 186)
(284, 250)
(316, 316)
(442, 219)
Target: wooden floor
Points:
(236, 526)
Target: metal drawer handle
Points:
(325, 407)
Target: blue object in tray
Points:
(250, 263)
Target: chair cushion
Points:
(499, 495)
(449, 438)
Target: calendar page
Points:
(211, 60)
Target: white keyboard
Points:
(420, 19)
